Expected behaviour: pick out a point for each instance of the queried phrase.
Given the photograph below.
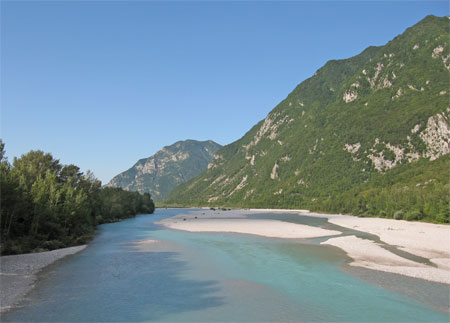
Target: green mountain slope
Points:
(170, 166)
(373, 125)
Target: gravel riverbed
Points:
(18, 273)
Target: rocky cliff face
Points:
(169, 167)
(355, 124)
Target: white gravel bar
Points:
(426, 240)
(235, 221)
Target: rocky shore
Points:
(18, 273)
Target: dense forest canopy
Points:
(46, 205)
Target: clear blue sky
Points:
(101, 84)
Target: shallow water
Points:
(323, 223)
(210, 277)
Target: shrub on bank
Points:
(398, 215)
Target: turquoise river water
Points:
(192, 277)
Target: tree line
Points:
(46, 205)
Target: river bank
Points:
(18, 273)
(427, 241)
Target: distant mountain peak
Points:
(170, 166)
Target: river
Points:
(135, 270)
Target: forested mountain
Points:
(169, 167)
(46, 205)
(368, 135)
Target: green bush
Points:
(53, 244)
(443, 218)
(366, 214)
(413, 215)
(399, 215)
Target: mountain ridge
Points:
(340, 131)
(172, 165)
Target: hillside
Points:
(368, 135)
(171, 166)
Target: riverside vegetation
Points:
(367, 136)
(46, 205)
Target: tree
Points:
(34, 164)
